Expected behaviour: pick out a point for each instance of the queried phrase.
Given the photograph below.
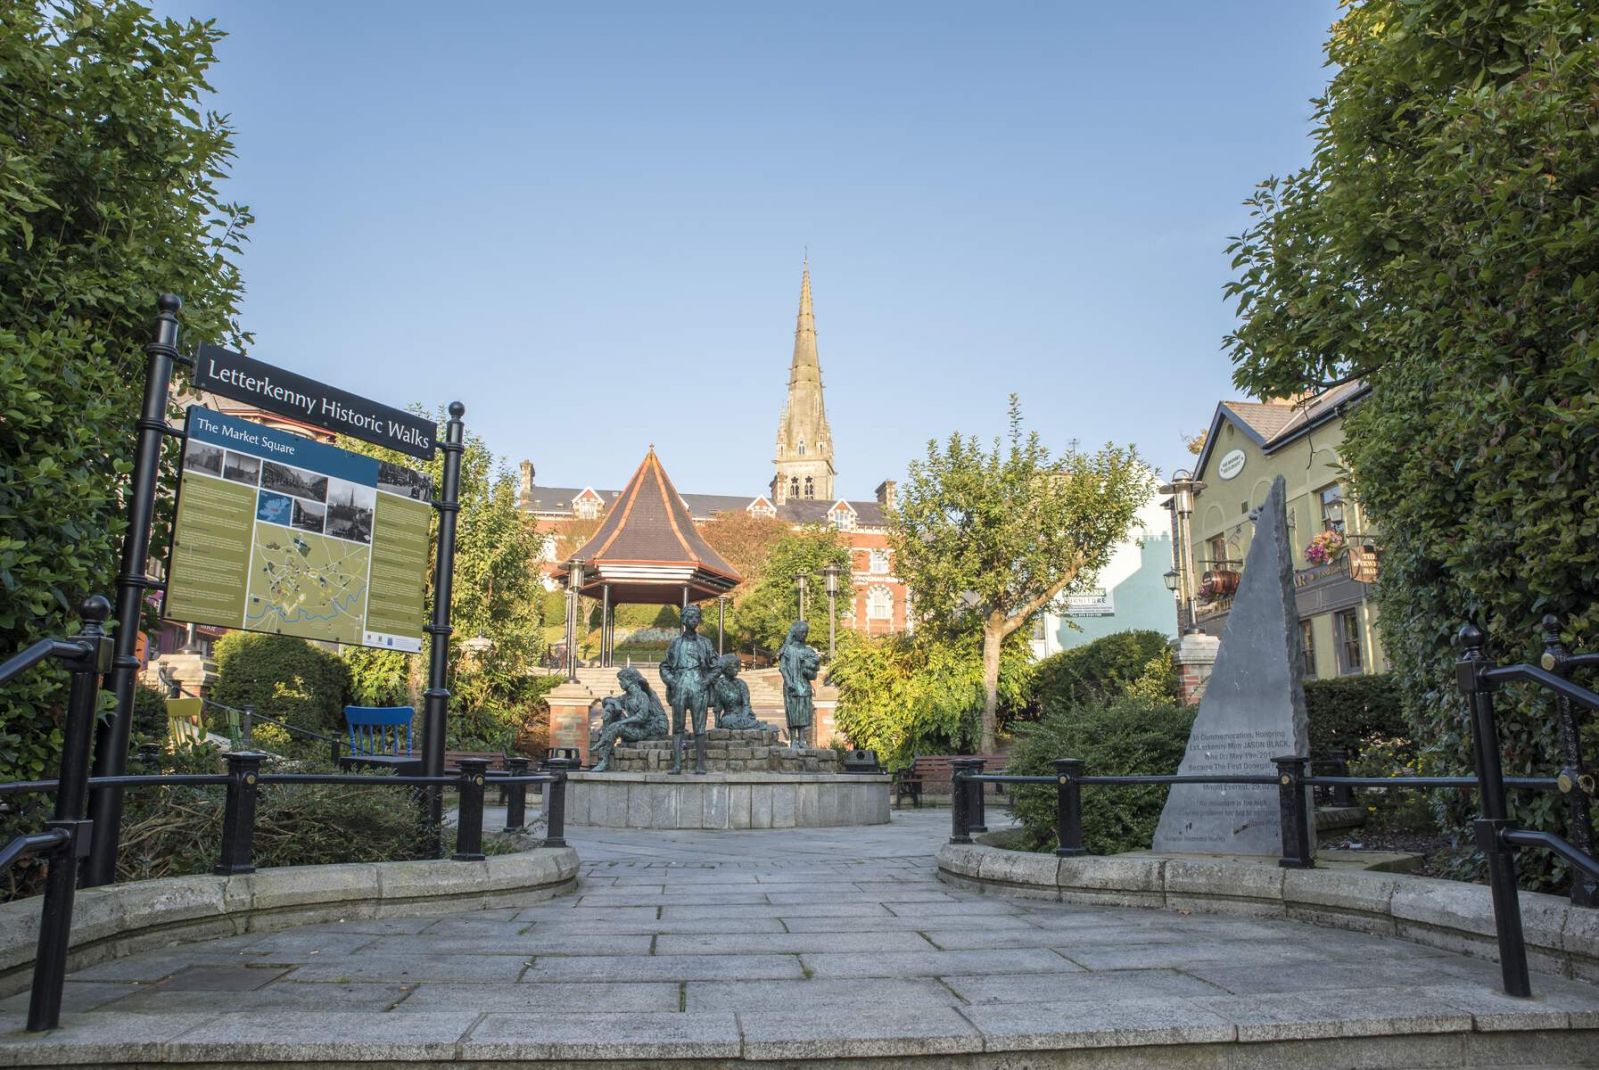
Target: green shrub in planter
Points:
(284, 678)
(1129, 735)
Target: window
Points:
(810, 487)
(587, 508)
(1332, 508)
(793, 486)
(1307, 649)
(843, 520)
(802, 447)
(879, 561)
(1346, 638)
(879, 604)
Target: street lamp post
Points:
(1182, 488)
(830, 576)
(574, 583)
(721, 621)
(799, 582)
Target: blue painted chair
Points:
(378, 730)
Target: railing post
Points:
(72, 796)
(1500, 856)
(1576, 781)
(555, 804)
(1069, 807)
(960, 801)
(1342, 794)
(979, 809)
(1294, 812)
(516, 796)
(238, 814)
(469, 815)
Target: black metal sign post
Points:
(436, 698)
(111, 743)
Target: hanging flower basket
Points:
(1325, 548)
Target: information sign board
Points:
(279, 533)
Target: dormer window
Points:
(587, 509)
(843, 518)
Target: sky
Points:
(587, 221)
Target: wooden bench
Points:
(935, 774)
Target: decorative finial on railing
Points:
(1471, 638)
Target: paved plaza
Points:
(805, 945)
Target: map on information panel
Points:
(279, 533)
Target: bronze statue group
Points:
(697, 680)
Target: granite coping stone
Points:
(1430, 912)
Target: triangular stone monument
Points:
(1253, 709)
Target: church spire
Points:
(804, 443)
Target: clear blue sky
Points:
(586, 221)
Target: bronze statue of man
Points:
(688, 670)
(733, 697)
(798, 664)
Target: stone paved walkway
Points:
(794, 946)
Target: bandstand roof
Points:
(648, 550)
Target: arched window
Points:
(793, 486)
(879, 604)
(810, 488)
(802, 447)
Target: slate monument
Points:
(1253, 709)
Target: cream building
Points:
(1247, 446)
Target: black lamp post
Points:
(830, 576)
(1170, 577)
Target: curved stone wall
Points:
(123, 919)
(1450, 915)
(726, 800)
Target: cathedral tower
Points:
(804, 444)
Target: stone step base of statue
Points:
(728, 750)
(726, 801)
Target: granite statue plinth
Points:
(730, 750)
(727, 801)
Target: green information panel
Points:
(278, 533)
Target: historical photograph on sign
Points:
(350, 511)
(407, 483)
(309, 516)
(199, 457)
(293, 481)
(242, 468)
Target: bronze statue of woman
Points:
(798, 664)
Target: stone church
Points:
(802, 492)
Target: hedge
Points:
(1346, 711)
(282, 677)
(1104, 670)
(1130, 735)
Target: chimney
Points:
(526, 488)
(885, 493)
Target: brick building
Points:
(802, 492)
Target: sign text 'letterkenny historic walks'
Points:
(242, 378)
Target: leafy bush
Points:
(1346, 711)
(285, 678)
(149, 713)
(109, 190)
(1104, 670)
(1440, 244)
(1126, 736)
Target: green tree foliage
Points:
(285, 678)
(998, 534)
(922, 693)
(108, 197)
(496, 595)
(1126, 736)
(769, 603)
(1443, 244)
(1111, 667)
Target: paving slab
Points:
(783, 947)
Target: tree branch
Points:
(1020, 617)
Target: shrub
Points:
(285, 678)
(1105, 670)
(149, 713)
(1128, 735)
(1346, 711)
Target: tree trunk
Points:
(993, 640)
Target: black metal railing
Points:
(1496, 836)
(66, 837)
